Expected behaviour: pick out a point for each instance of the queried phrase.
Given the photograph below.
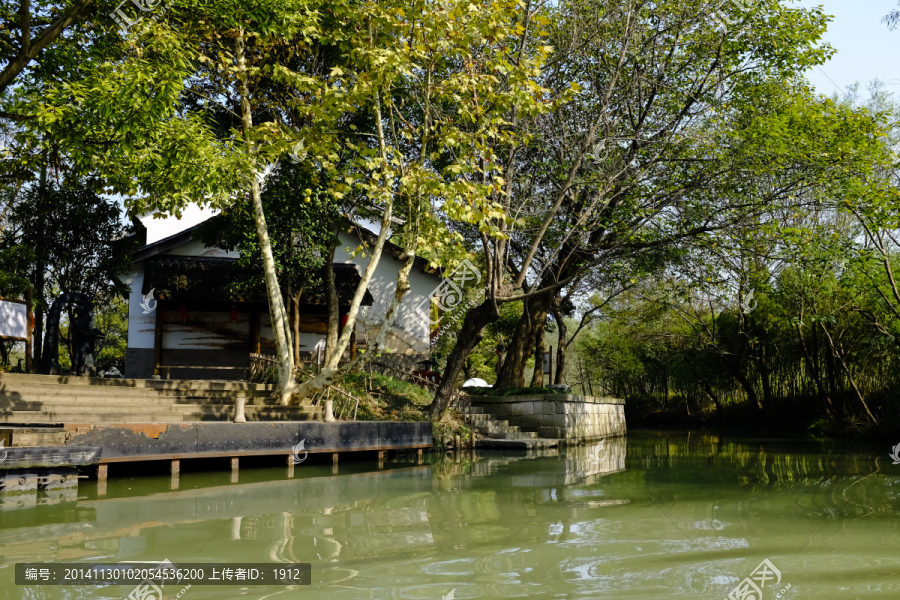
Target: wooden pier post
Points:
(235, 463)
(419, 456)
(334, 463)
(176, 467)
(382, 455)
(101, 479)
(290, 465)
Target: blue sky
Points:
(866, 49)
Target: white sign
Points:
(13, 322)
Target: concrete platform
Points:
(129, 442)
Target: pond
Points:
(659, 515)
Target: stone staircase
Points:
(42, 400)
(489, 426)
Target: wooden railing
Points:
(430, 383)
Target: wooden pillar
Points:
(29, 325)
(176, 467)
(419, 456)
(157, 338)
(290, 465)
(255, 325)
(334, 463)
(382, 455)
(235, 461)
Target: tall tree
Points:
(644, 157)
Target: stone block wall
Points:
(560, 416)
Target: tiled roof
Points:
(176, 277)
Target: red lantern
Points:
(233, 314)
(182, 312)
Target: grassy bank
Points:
(383, 398)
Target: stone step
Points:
(249, 408)
(174, 409)
(31, 416)
(479, 418)
(43, 392)
(500, 427)
(512, 435)
(130, 403)
(13, 381)
(251, 416)
(56, 438)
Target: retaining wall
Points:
(559, 416)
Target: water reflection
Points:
(658, 516)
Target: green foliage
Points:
(385, 398)
(112, 319)
(14, 265)
(301, 222)
(77, 240)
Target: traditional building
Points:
(192, 321)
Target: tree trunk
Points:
(38, 337)
(537, 379)
(560, 347)
(530, 325)
(295, 302)
(331, 336)
(747, 385)
(762, 359)
(862, 401)
(469, 336)
(286, 383)
(40, 273)
(814, 370)
(332, 360)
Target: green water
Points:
(661, 515)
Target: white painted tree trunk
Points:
(331, 361)
(286, 384)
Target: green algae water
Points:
(659, 515)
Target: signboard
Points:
(548, 362)
(13, 320)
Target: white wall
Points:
(141, 327)
(409, 334)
